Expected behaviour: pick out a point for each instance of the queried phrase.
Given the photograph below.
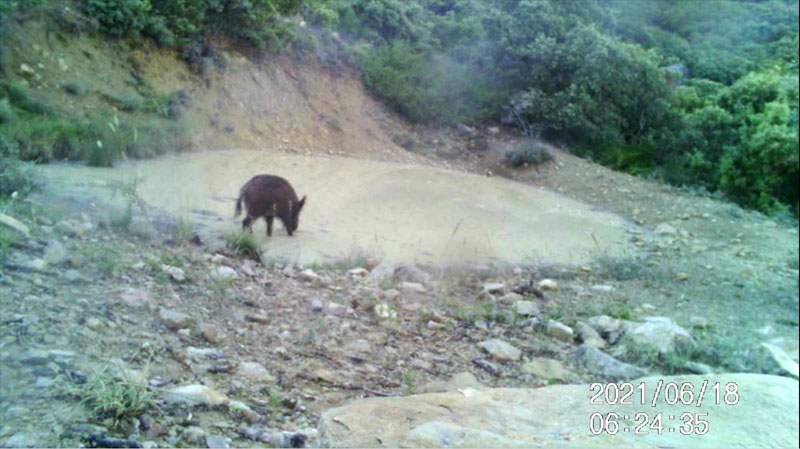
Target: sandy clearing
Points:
(399, 212)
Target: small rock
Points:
(195, 395)
(309, 276)
(337, 309)
(501, 350)
(224, 273)
(240, 408)
(358, 272)
(665, 229)
(317, 306)
(458, 382)
(134, 298)
(560, 331)
(381, 273)
(661, 333)
(390, 294)
(203, 354)
(548, 369)
(601, 364)
(94, 324)
(255, 371)
(511, 298)
(495, 288)
(784, 363)
(526, 308)
(194, 435)
(35, 264)
(175, 273)
(26, 70)
(547, 284)
(587, 334)
(210, 333)
(609, 328)
(72, 275)
(56, 253)
(15, 224)
(601, 288)
(682, 277)
(698, 368)
(217, 442)
(699, 322)
(257, 318)
(173, 319)
(411, 287)
(383, 311)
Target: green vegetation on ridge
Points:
(694, 93)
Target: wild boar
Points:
(270, 196)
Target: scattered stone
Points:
(555, 416)
(358, 272)
(310, 276)
(203, 354)
(589, 335)
(526, 308)
(257, 318)
(224, 273)
(210, 333)
(72, 275)
(698, 368)
(390, 294)
(247, 268)
(511, 298)
(411, 287)
(195, 395)
(494, 288)
(783, 362)
(194, 435)
(94, 324)
(15, 224)
(26, 70)
(547, 369)
(240, 408)
(337, 309)
(501, 350)
(173, 319)
(255, 371)
(665, 229)
(69, 227)
(699, 322)
(547, 284)
(385, 312)
(35, 265)
(217, 442)
(381, 273)
(175, 273)
(601, 364)
(601, 288)
(560, 331)
(134, 298)
(661, 333)
(55, 253)
(317, 306)
(609, 328)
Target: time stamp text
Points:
(686, 394)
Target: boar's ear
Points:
(301, 203)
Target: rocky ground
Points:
(139, 333)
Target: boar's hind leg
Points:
(247, 224)
(269, 225)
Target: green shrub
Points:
(19, 97)
(119, 18)
(6, 111)
(15, 175)
(75, 88)
(528, 154)
(245, 244)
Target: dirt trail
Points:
(402, 213)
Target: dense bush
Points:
(528, 154)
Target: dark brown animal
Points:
(270, 196)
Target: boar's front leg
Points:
(269, 218)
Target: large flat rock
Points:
(558, 416)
